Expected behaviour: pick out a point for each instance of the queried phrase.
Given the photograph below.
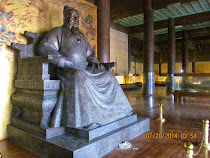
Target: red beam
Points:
(185, 20)
(192, 33)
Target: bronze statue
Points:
(90, 94)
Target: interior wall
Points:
(8, 72)
(119, 51)
(202, 67)
(138, 69)
(178, 67)
(17, 16)
(156, 68)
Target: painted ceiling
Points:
(175, 11)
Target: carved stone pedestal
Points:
(34, 102)
(77, 143)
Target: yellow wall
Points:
(164, 68)
(119, 51)
(8, 73)
(38, 16)
(132, 68)
(156, 68)
(139, 68)
(178, 67)
(202, 67)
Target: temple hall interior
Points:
(161, 55)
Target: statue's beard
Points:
(75, 31)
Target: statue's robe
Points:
(90, 95)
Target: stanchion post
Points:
(206, 154)
(161, 128)
(206, 134)
(189, 150)
(161, 119)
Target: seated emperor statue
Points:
(90, 94)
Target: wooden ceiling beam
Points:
(179, 59)
(192, 34)
(198, 38)
(125, 8)
(119, 27)
(194, 39)
(185, 20)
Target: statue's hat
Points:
(67, 10)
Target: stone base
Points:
(36, 129)
(94, 133)
(68, 145)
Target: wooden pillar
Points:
(148, 73)
(103, 20)
(185, 51)
(171, 54)
(129, 53)
(129, 62)
(193, 62)
(160, 64)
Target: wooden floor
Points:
(184, 119)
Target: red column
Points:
(103, 20)
(160, 64)
(193, 62)
(185, 51)
(171, 54)
(148, 73)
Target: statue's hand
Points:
(81, 65)
(68, 64)
(96, 65)
(108, 66)
(102, 66)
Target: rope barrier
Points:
(166, 110)
(189, 145)
(204, 141)
(200, 146)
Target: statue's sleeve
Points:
(49, 47)
(91, 55)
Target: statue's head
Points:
(70, 17)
